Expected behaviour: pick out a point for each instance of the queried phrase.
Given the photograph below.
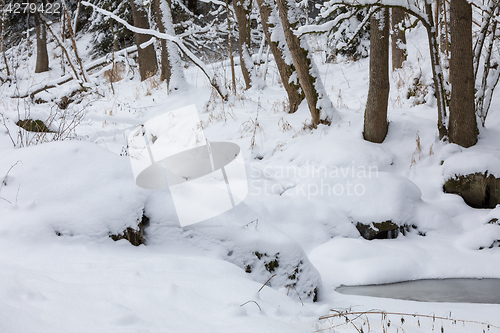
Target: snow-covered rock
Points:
(70, 188)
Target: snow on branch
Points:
(408, 7)
(177, 41)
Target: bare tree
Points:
(398, 38)
(146, 56)
(286, 69)
(463, 125)
(230, 44)
(166, 70)
(426, 16)
(311, 84)
(242, 10)
(42, 57)
(376, 126)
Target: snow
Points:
(472, 161)
(59, 202)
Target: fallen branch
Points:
(32, 91)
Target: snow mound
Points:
(368, 196)
(68, 188)
(485, 237)
(472, 161)
(256, 246)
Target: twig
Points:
(72, 36)
(5, 178)
(266, 282)
(298, 295)
(256, 223)
(252, 302)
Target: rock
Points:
(494, 221)
(262, 251)
(281, 272)
(493, 191)
(383, 230)
(479, 190)
(134, 236)
(31, 125)
(65, 102)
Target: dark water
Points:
(434, 290)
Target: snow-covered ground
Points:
(59, 202)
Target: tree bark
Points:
(147, 56)
(398, 38)
(174, 72)
(230, 44)
(375, 123)
(302, 61)
(286, 70)
(2, 43)
(166, 70)
(42, 57)
(463, 125)
(437, 72)
(242, 12)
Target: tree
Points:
(42, 57)
(425, 16)
(213, 79)
(146, 56)
(309, 79)
(171, 65)
(2, 43)
(463, 125)
(166, 70)
(242, 12)
(103, 42)
(272, 27)
(398, 36)
(375, 125)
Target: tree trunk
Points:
(463, 126)
(166, 71)
(147, 56)
(42, 57)
(398, 38)
(192, 6)
(376, 126)
(230, 44)
(242, 12)
(437, 72)
(174, 73)
(2, 43)
(286, 70)
(306, 69)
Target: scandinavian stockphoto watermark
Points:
(206, 179)
(170, 152)
(310, 180)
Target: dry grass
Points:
(382, 321)
(340, 101)
(152, 83)
(279, 145)
(253, 127)
(116, 73)
(284, 125)
(281, 106)
(417, 154)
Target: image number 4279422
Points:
(31, 8)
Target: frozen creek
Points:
(433, 290)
